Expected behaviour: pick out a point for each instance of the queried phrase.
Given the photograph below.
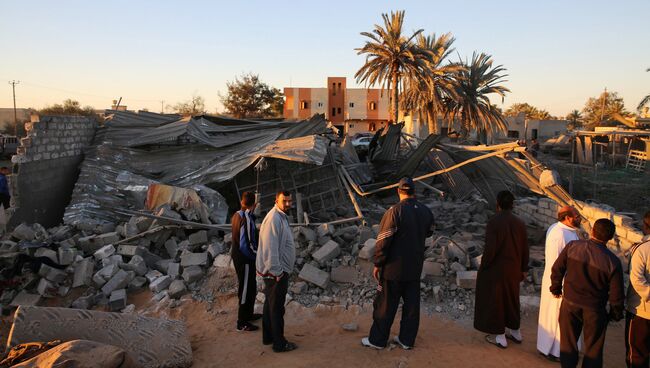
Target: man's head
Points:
(406, 188)
(603, 230)
(569, 216)
(4, 170)
(505, 199)
(283, 200)
(646, 223)
(248, 201)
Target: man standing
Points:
(243, 253)
(276, 256)
(557, 236)
(503, 266)
(637, 319)
(399, 255)
(592, 275)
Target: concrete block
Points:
(194, 259)
(143, 223)
(98, 281)
(84, 302)
(119, 281)
(127, 250)
(176, 289)
(172, 248)
(432, 268)
(149, 258)
(327, 252)
(192, 274)
(368, 250)
(105, 251)
(108, 238)
(46, 252)
(314, 275)
(46, 288)
(137, 283)
(198, 238)
(108, 271)
(137, 265)
(160, 284)
(365, 233)
(115, 259)
(89, 244)
(26, 299)
(620, 220)
(149, 342)
(66, 256)
(52, 274)
(223, 261)
(324, 230)
(152, 275)
(23, 232)
(174, 270)
(466, 279)
(216, 248)
(307, 233)
(117, 300)
(344, 274)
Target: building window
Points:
(320, 104)
(351, 104)
(338, 110)
(513, 134)
(333, 89)
(304, 105)
(333, 111)
(372, 105)
(351, 126)
(372, 127)
(339, 87)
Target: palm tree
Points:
(425, 93)
(390, 56)
(574, 118)
(476, 82)
(645, 100)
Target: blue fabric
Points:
(4, 187)
(247, 239)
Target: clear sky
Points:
(557, 53)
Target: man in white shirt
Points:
(557, 237)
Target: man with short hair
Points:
(243, 253)
(586, 275)
(557, 237)
(637, 318)
(276, 256)
(504, 265)
(399, 257)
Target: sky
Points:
(557, 53)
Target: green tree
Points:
(195, 106)
(424, 94)
(390, 56)
(69, 107)
(531, 112)
(476, 82)
(249, 97)
(599, 109)
(575, 119)
(645, 100)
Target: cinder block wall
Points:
(543, 212)
(46, 168)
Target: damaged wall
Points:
(46, 168)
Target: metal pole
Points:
(13, 87)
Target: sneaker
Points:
(404, 346)
(288, 346)
(245, 326)
(366, 342)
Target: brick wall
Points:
(46, 167)
(543, 212)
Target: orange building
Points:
(353, 110)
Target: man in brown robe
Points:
(503, 266)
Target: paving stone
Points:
(198, 238)
(368, 250)
(119, 281)
(192, 274)
(194, 259)
(24, 232)
(344, 274)
(314, 275)
(149, 342)
(327, 252)
(52, 274)
(25, 298)
(104, 252)
(98, 281)
(117, 300)
(160, 284)
(46, 252)
(466, 279)
(176, 289)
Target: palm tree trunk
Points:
(395, 96)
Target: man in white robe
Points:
(557, 237)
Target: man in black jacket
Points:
(243, 251)
(592, 276)
(399, 255)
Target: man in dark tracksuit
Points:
(244, 235)
(399, 255)
(592, 276)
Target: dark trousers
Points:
(573, 320)
(385, 308)
(247, 288)
(273, 317)
(637, 341)
(5, 199)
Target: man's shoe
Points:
(255, 317)
(550, 357)
(492, 339)
(366, 342)
(288, 346)
(245, 326)
(403, 346)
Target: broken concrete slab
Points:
(327, 252)
(160, 284)
(368, 250)
(172, 248)
(198, 238)
(46, 252)
(137, 265)
(115, 259)
(194, 259)
(150, 342)
(176, 289)
(314, 275)
(46, 288)
(26, 299)
(192, 274)
(119, 281)
(344, 274)
(129, 250)
(24, 232)
(52, 274)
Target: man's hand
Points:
(278, 278)
(375, 273)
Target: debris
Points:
(466, 279)
(314, 275)
(327, 252)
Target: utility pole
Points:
(162, 108)
(602, 107)
(13, 87)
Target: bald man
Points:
(557, 237)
